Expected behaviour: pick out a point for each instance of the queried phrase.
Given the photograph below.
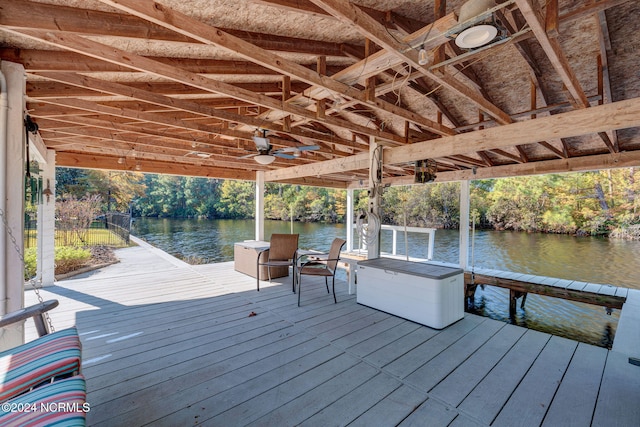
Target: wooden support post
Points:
(286, 88)
(439, 11)
(321, 65)
(552, 19)
(368, 48)
(371, 89)
(470, 294)
(512, 303)
(286, 95)
(320, 108)
(534, 98)
(406, 131)
(600, 81)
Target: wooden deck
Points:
(168, 344)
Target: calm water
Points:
(577, 258)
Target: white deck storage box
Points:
(245, 258)
(428, 294)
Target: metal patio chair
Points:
(282, 252)
(321, 266)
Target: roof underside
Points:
(181, 87)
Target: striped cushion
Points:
(49, 356)
(57, 404)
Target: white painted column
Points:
(349, 220)
(260, 205)
(464, 223)
(13, 198)
(47, 223)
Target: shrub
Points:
(67, 258)
(29, 263)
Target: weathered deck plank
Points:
(490, 395)
(455, 387)
(579, 389)
(177, 347)
(529, 402)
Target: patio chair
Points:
(320, 266)
(281, 253)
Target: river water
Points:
(588, 259)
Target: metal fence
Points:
(111, 229)
(30, 230)
(119, 224)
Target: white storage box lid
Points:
(421, 269)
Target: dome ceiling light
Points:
(479, 25)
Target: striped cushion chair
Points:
(52, 356)
(61, 403)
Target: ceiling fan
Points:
(266, 155)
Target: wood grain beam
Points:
(351, 15)
(26, 14)
(40, 89)
(575, 164)
(389, 19)
(603, 118)
(189, 106)
(139, 63)
(554, 52)
(48, 60)
(594, 6)
(604, 77)
(89, 161)
(176, 21)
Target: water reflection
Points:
(575, 258)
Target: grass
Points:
(92, 237)
(71, 249)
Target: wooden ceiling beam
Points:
(142, 130)
(35, 60)
(188, 106)
(354, 16)
(389, 19)
(49, 89)
(553, 50)
(604, 78)
(185, 25)
(576, 164)
(90, 161)
(26, 14)
(594, 6)
(573, 123)
(108, 53)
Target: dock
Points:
(170, 344)
(519, 285)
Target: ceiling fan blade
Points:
(308, 147)
(248, 156)
(283, 155)
(299, 148)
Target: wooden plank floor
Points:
(170, 345)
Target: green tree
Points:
(237, 199)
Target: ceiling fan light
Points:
(264, 159)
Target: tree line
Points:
(586, 203)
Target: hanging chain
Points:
(35, 284)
